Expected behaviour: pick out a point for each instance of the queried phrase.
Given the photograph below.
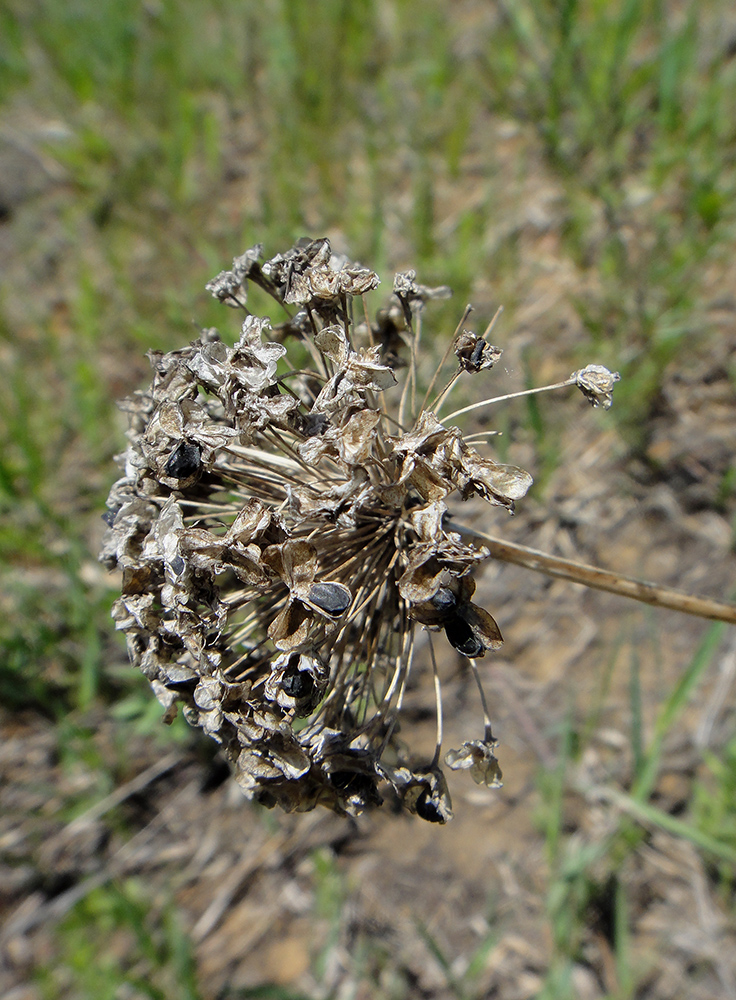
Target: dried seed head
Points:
(297, 682)
(474, 353)
(413, 296)
(284, 539)
(478, 757)
(596, 384)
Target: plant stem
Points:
(601, 579)
(509, 395)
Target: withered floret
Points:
(478, 757)
(596, 384)
(474, 353)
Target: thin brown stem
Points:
(437, 404)
(438, 704)
(601, 579)
(446, 355)
(487, 727)
(508, 395)
(489, 329)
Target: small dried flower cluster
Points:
(284, 539)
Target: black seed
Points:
(347, 780)
(109, 518)
(444, 599)
(177, 564)
(265, 798)
(184, 461)
(477, 354)
(462, 637)
(428, 809)
(314, 424)
(356, 788)
(332, 598)
(298, 685)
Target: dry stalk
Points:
(601, 579)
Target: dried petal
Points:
(290, 628)
(498, 484)
(483, 627)
(478, 757)
(412, 295)
(246, 265)
(227, 287)
(333, 343)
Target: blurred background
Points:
(572, 161)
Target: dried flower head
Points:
(284, 539)
(596, 384)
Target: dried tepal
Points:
(284, 539)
